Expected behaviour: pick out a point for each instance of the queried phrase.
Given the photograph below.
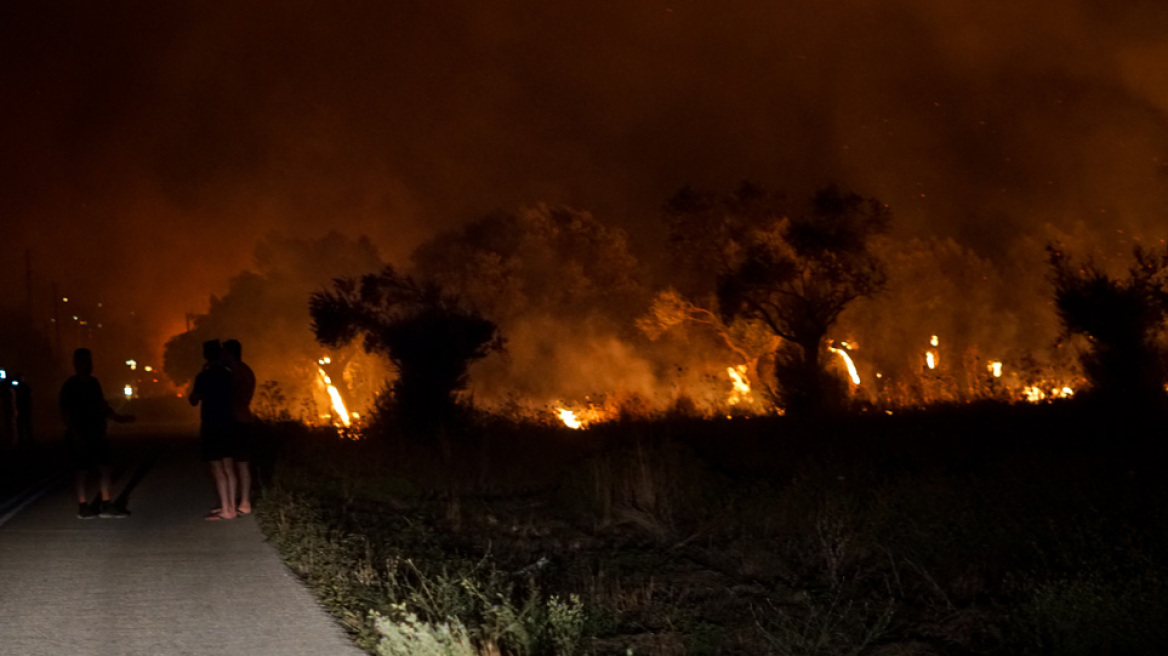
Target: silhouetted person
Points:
(7, 414)
(85, 411)
(213, 392)
(243, 385)
(22, 399)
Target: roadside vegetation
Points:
(993, 528)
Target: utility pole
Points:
(57, 323)
(28, 285)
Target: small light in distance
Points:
(129, 391)
(3, 375)
(148, 368)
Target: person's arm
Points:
(194, 396)
(110, 413)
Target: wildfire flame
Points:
(1035, 394)
(741, 389)
(931, 356)
(995, 368)
(847, 361)
(338, 404)
(569, 418)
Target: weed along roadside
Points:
(1000, 530)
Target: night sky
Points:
(147, 146)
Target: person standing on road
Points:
(85, 411)
(243, 385)
(23, 394)
(213, 391)
(7, 412)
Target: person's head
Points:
(233, 349)
(83, 362)
(212, 350)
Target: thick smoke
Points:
(148, 147)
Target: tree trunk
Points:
(812, 376)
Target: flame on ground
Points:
(338, 404)
(569, 418)
(741, 390)
(855, 376)
(1035, 394)
(995, 368)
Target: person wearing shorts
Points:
(243, 384)
(85, 412)
(213, 393)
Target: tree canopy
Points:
(1123, 320)
(792, 271)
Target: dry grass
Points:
(999, 530)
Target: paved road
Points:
(162, 582)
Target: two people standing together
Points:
(223, 390)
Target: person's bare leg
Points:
(226, 510)
(232, 484)
(243, 471)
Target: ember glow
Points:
(995, 368)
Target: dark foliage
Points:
(425, 333)
(1122, 320)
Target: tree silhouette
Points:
(428, 336)
(793, 272)
(1122, 320)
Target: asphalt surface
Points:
(161, 582)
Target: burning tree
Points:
(1122, 320)
(793, 272)
(559, 282)
(264, 309)
(428, 336)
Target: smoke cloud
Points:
(148, 147)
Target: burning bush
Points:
(793, 272)
(425, 333)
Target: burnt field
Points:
(982, 528)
